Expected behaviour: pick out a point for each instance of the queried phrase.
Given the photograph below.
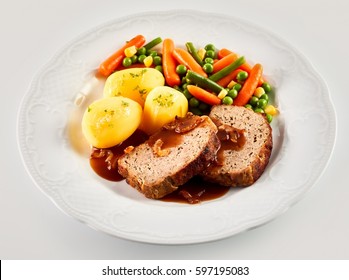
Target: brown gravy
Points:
(196, 190)
(105, 161)
(231, 138)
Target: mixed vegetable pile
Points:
(158, 81)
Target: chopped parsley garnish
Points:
(164, 100)
(133, 75)
(124, 103)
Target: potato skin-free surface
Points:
(162, 105)
(134, 83)
(111, 120)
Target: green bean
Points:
(153, 43)
(228, 69)
(192, 50)
(203, 82)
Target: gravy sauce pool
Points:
(196, 190)
(105, 161)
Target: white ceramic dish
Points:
(304, 134)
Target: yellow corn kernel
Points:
(259, 92)
(201, 53)
(130, 51)
(222, 93)
(271, 110)
(148, 61)
(231, 84)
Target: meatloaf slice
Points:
(243, 165)
(170, 157)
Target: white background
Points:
(31, 227)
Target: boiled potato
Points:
(162, 105)
(134, 83)
(109, 121)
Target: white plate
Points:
(304, 134)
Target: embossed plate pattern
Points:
(304, 133)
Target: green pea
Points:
(261, 103)
(227, 100)
(249, 106)
(157, 60)
(259, 110)
(141, 51)
(269, 118)
(159, 68)
(184, 80)
(209, 60)
(187, 94)
(254, 101)
(232, 93)
(203, 106)
(208, 68)
(264, 96)
(127, 61)
(242, 75)
(184, 85)
(141, 58)
(152, 53)
(193, 102)
(237, 87)
(196, 111)
(134, 58)
(181, 69)
(210, 54)
(210, 47)
(266, 86)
